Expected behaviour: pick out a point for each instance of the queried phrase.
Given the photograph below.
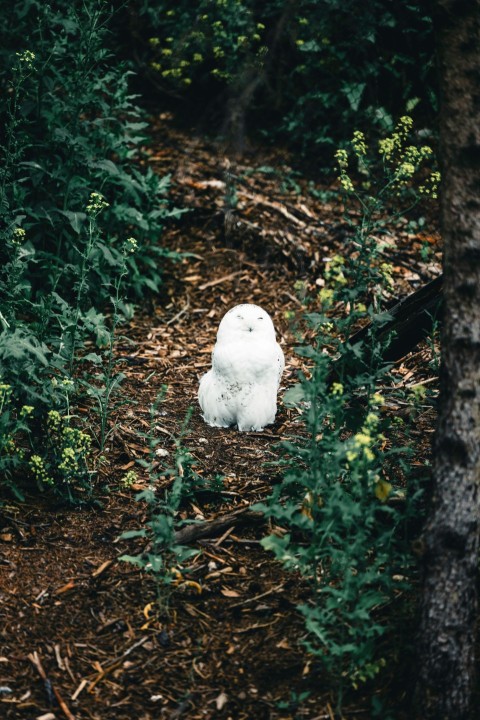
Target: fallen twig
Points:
(37, 663)
(190, 533)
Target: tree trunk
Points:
(451, 536)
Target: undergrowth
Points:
(168, 487)
(301, 73)
(71, 150)
(347, 498)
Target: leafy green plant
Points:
(164, 557)
(105, 383)
(72, 149)
(62, 461)
(303, 72)
(14, 433)
(220, 40)
(346, 496)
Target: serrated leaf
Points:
(294, 396)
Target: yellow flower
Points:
(337, 388)
(405, 170)
(404, 125)
(54, 420)
(18, 236)
(363, 439)
(358, 143)
(382, 490)
(97, 204)
(346, 183)
(325, 295)
(371, 419)
(130, 245)
(26, 58)
(351, 455)
(341, 157)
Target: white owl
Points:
(247, 364)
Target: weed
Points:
(343, 498)
(164, 558)
(70, 153)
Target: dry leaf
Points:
(230, 593)
(65, 588)
(102, 568)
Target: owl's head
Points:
(246, 322)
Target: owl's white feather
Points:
(247, 365)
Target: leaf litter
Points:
(82, 636)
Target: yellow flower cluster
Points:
(361, 443)
(97, 204)
(39, 471)
(129, 479)
(431, 185)
(130, 246)
(389, 146)
(26, 59)
(8, 444)
(325, 296)
(334, 271)
(404, 125)
(346, 183)
(54, 421)
(18, 236)
(341, 156)
(358, 143)
(79, 441)
(386, 271)
(337, 388)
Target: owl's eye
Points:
(239, 317)
(260, 318)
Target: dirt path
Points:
(234, 651)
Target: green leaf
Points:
(294, 396)
(128, 534)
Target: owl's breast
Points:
(246, 361)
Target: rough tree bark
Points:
(451, 537)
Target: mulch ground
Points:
(82, 634)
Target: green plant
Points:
(14, 434)
(220, 40)
(347, 496)
(73, 148)
(105, 383)
(62, 461)
(165, 558)
(303, 72)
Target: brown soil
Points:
(82, 629)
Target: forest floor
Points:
(81, 633)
